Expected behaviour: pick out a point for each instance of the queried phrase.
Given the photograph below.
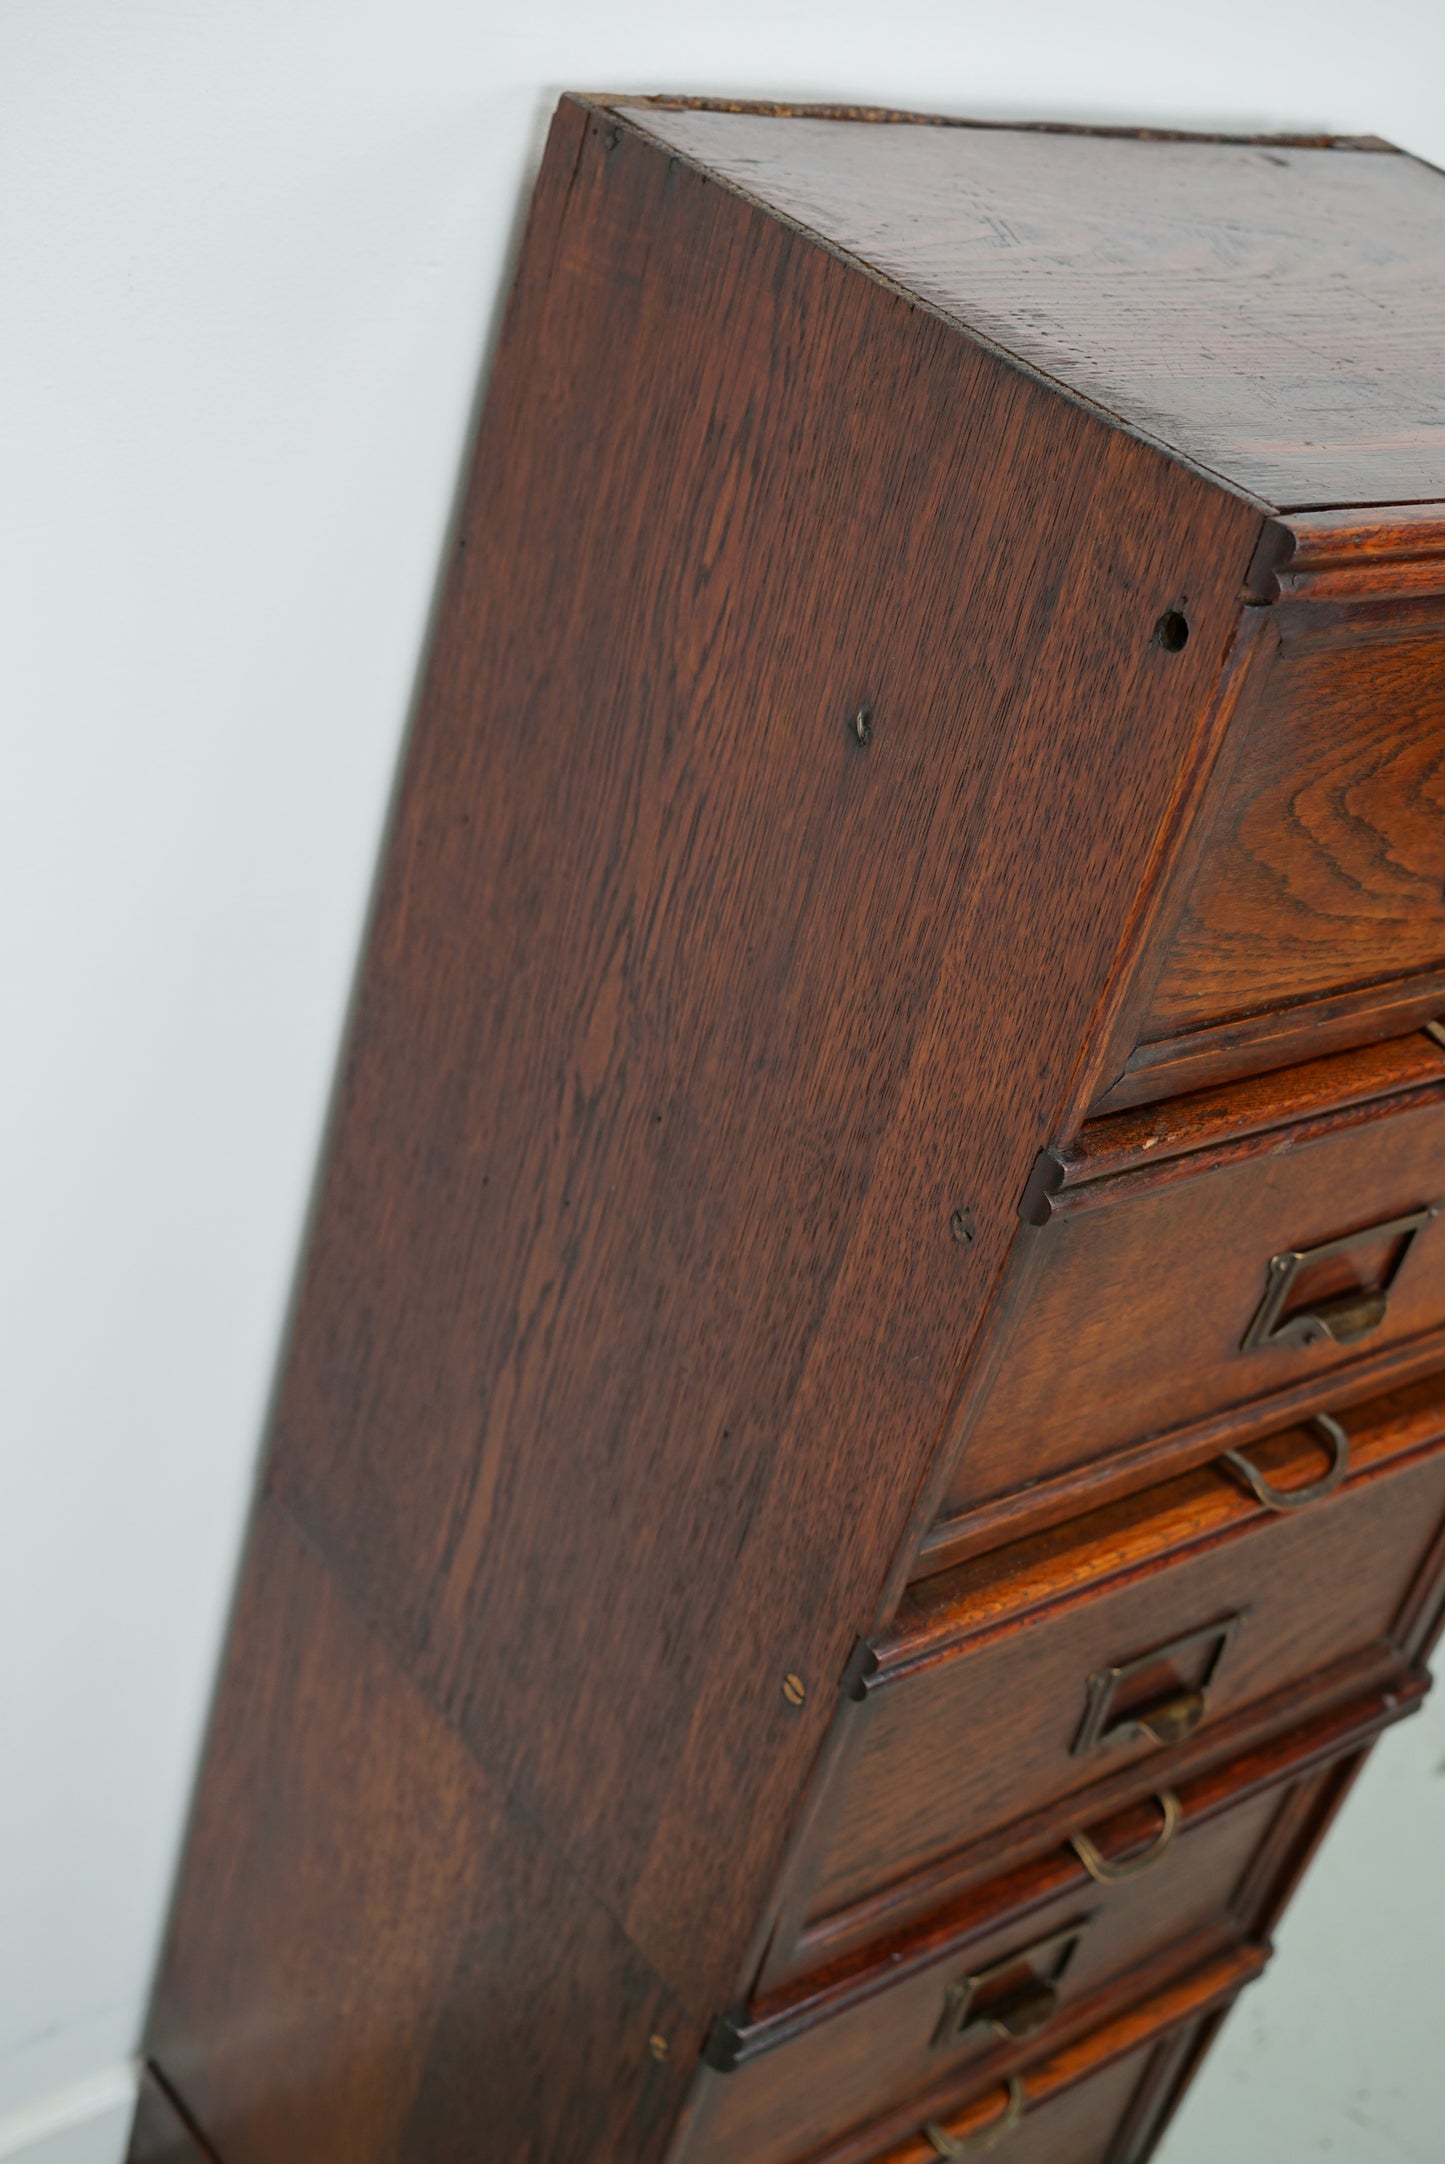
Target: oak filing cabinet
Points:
(862, 1450)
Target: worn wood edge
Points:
(874, 1962)
(956, 1621)
(1110, 1042)
(792, 109)
(631, 113)
(1338, 552)
(1170, 2070)
(1275, 1873)
(1352, 1703)
(1242, 1047)
(1001, 1520)
(1098, 1185)
(1149, 2019)
(1145, 1135)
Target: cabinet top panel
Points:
(1273, 311)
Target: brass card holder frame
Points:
(1170, 1719)
(1013, 2016)
(1344, 1318)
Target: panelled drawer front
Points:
(1324, 866)
(1149, 1284)
(1054, 1939)
(1078, 2127)
(1102, 2096)
(984, 1731)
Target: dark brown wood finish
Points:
(1256, 309)
(863, 2037)
(1157, 1242)
(1226, 1764)
(886, 700)
(1090, 2089)
(391, 1955)
(161, 2135)
(1307, 909)
(632, 1309)
(970, 1719)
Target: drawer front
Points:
(1044, 1704)
(1147, 1307)
(1031, 1957)
(1081, 2126)
(1323, 865)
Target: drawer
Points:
(810, 2100)
(1096, 1652)
(1309, 909)
(1001, 1974)
(1200, 1255)
(1100, 2101)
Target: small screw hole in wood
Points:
(963, 1227)
(862, 726)
(1172, 632)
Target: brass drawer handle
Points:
(1250, 1476)
(1346, 1316)
(1105, 1873)
(948, 2145)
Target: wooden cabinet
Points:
(861, 1454)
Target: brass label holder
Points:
(1177, 1712)
(1347, 1315)
(1015, 1997)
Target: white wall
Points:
(251, 254)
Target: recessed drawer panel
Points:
(1196, 1256)
(1042, 1960)
(1324, 861)
(1015, 1965)
(1108, 1645)
(1100, 2100)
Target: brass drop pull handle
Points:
(1347, 1315)
(1250, 1476)
(989, 2137)
(1105, 1873)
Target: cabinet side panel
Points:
(374, 1959)
(632, 1312)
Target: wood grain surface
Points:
(1324, 866)
(1260, 1105)
(1259, 309)
(1219, 1770)
(375, 1955)
(867, 2043)
(1071, 2091)
(971, 1717)
(816, 797)
(688, 1021)
(1149, 1279)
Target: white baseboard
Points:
(88, 2123)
